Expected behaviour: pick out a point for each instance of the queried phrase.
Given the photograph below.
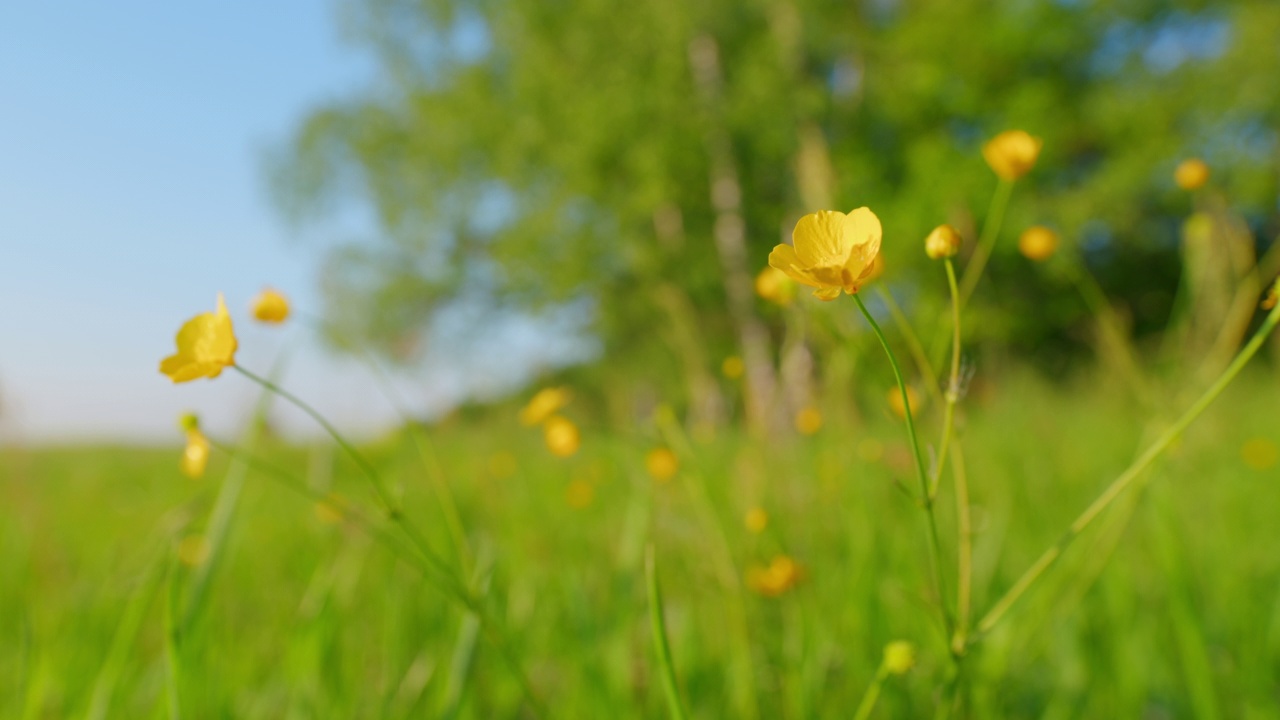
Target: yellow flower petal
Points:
(206, 344)
(271, 306)
(785, 259)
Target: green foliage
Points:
(1167, 609)
(523, 154)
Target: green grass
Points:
(1169, 608)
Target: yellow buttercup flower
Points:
(545, 403)
(756, 520)
(561, 436)
(1191, 174)
(662, 464)
(899, 657)
(733, 367)
(206, 345)
(579, 494)
(193, 550)
(773, 285)
(271, 306)
(1038, 243)
(1012, 153)
(808, 421)
(943, 242)
(774, 579)
(831, 251)
(894, 397)
(195, 456)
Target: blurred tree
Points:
(642, 158)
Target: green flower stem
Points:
(419, 542)
(952, 395)
(987, 242)
(658, 627)
(1121, 483)
(872, 694)
(964, 553)
(926, 502)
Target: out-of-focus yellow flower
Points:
(899, 657)
(195, 456)
(1191, 174)
(206, 345)
(1038, 243)
(756, 520)
(1273, 295)
(1260, 453)
(774, 579)
(503, 465)
(1012, 153)
(831, 251)
(733, 367)
(943, 242)
(894, 397)
(662, 464)
(271, 306)
(579, 494)
(544, 404)
(773, 285)
(193, 550)
(332, 510)
(562, 436)
(808, 421)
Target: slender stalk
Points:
(964, 551)
(952, 395)
(416, 539)
(872, 694)
(926, 502)
(658, 627)
(987, 242)
(1121, 483)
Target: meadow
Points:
(1168, 607)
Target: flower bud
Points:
(1191, 174)
(1038, 243)
(943, 242)
(1012, 153)
(899, 657)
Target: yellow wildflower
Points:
(579, 494)
(831, 251)
(772, 580)
(899, 657)
(756, 520)
(195, 457)
(894, 397)
(1012, 153)
(809, 421)
(271, 306)
(544, 404)
(662, 464)
(1038, 243)
(1273, 295)
(206, 345)
(193, 550)
(943, 242)
(773, 285)
(733, 367)
(332, 509)
(1191, 174)
(561, 436)
(1260, 453)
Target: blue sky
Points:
(132, 190)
